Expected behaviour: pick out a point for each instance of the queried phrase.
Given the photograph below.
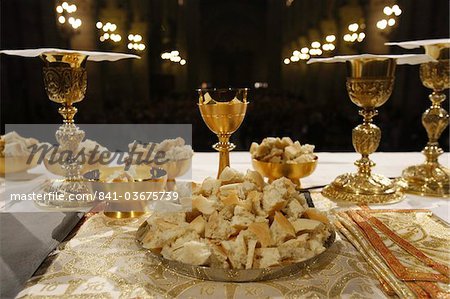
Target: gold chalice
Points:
(65, 80)
(431, 178)
(223, 111)
(293, 171)
(369, 85)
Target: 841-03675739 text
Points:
(97, 195)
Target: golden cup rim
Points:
(80, 64)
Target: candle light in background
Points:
(173, 56)
(108, 32)
(390, 19)
(65, 16)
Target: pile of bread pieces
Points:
(239, 222)
(14, 145)
(174, 149)
(282, 150)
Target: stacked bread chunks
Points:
(282, 150)
(239, 222)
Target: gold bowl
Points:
(127, 199)
(16, 164)
(294, 172)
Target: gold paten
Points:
(431, 178)
(369, 84)
(294, 171)
(223, 111)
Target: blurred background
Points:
(187, 44)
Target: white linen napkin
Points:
(419, 43)
(92, 55)
(401, 59)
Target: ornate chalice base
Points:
(428, 179)
(431, 178)
(360, 188)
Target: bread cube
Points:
(230, 176)
(193, 253)
(281, 229)
(218, 228)
(262, 233)
(203, 204)
(268, 257)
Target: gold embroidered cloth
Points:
(408, 249)
(103, 260)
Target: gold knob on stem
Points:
(224, 146)
(366, 138)
(68, 112)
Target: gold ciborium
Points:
(292, 171)
(223, 111)
(369, 85)
(431, 178)
(65, 81)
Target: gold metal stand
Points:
(431, 178)
(369, 86)
(223, 111)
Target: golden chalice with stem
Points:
(369, 86)
(431, 178)
(223, 111)
(65, 81)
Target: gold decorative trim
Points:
(353, 233)
(392, 261)
(407, 246)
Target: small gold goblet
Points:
(369, 85)
(65, 80)
(223, 111)
(431, 178)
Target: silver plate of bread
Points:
(238, 228)
(239, 275)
